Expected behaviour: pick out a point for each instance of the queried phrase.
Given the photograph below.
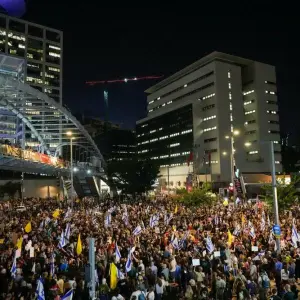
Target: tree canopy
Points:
(198, 196)
(133, 176)
(286, 193)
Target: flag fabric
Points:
(68, 295)
(237, 230)
(62, 242)
(209, 245)
(252, 232)
(295, 236)
(154, 221)
(33, 268)
(19, 243)
(56, 213)
(118, 254)
(128, 264)
(68, 231)
(120, 275)
(125, 218)
(28, 227)
(225, 202)
(262, 224)
(113, 276)
(107, 220)
(79, 245)
(168, 218)
(137, 230)
(175, 243)
(52, 266)
(68, 213)
(269, 222)
(176, 209)
(13, 270)
(40, 294)
(230, 238)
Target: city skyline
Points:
(128, 44)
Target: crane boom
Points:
(123, 80)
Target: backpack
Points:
(265, 282)
(142, 296)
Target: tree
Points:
(198, 196)
(286, 193)
(132, 176)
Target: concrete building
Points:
(200, 109)
(41, 48)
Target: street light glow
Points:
(236, 132)
(69, 133)
(89, 171)
(227, 137)
(224, 153)
(247, 144)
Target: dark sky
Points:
(126, 39)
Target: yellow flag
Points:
(79, 246)
(230, 238)
(19, 243)
(1, 241)
(176, 209)
(243, 219)
(28, 227)
(56, 214)
(225, 203)
(113, 276)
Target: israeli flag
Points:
(295, 236)
(168, 218)
(120, 275)
(40, 294)
(252, 232)
(68, 295)
(68, 231)
(118, 254)
(237, 230)
(175, 243)
(216, 220)
(107, 220)
(62, 242)
(52, 266)
(137, 230)
(271, 238)
(125, 218)
(68, 213)
(128, 263)
(42, 224)
(209, 245)
(154, 221)
(13, 270)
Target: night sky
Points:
(107, 40)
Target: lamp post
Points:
(274, 186)
(70, 133)
(232, 160)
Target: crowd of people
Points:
(148, 250)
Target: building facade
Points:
(41, 48)
(233, 112)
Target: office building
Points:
(218, 106)
(41, 48)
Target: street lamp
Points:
(70, 134)
(274, 186)
(231, 137)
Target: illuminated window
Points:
(277, 162)
(174, 134)
(185, 85)
(230, 96)
(144, 125)
(248, 92)
(212, 162)
(164, 156)
(230, 106)
(231, 118)
(153, 131)
(253, 152)
(174, 154)
(209, 129)
(153, 140)
(229, 85)
(273, 112)
(186, 131)
(53, 69)
(54, 54)
(229, 75)
(207, 97)
(250, 112)
(248, 102)
(175, 145)
(209, 118)
(270, 92)
(54, 47)
(185, 153)
(163, 137)
(151, 110)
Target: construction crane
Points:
(125, 80)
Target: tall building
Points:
(41, 47)
(218, 106)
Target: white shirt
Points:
(136, 293)
(151, 296)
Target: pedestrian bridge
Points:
(43, 128)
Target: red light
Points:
(231, 188)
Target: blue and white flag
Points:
(52, 266)
(40, 294)
(252, 232)
(128, 263)
(68, 232)
(107, 220)
(216, 220)
(120, 275)
(62, 242)
(68, 295)
(263, 224)
(118, 254)
(154, 221)
(68, 213)
(168, 218)
(125, 218)
(295, 236)
(175, 243)
(137, 230)
(237, 230)
(209, 245)
(13, 270)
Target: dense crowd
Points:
(154, 249)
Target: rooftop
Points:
(199, 64)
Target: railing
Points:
(29, 155)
